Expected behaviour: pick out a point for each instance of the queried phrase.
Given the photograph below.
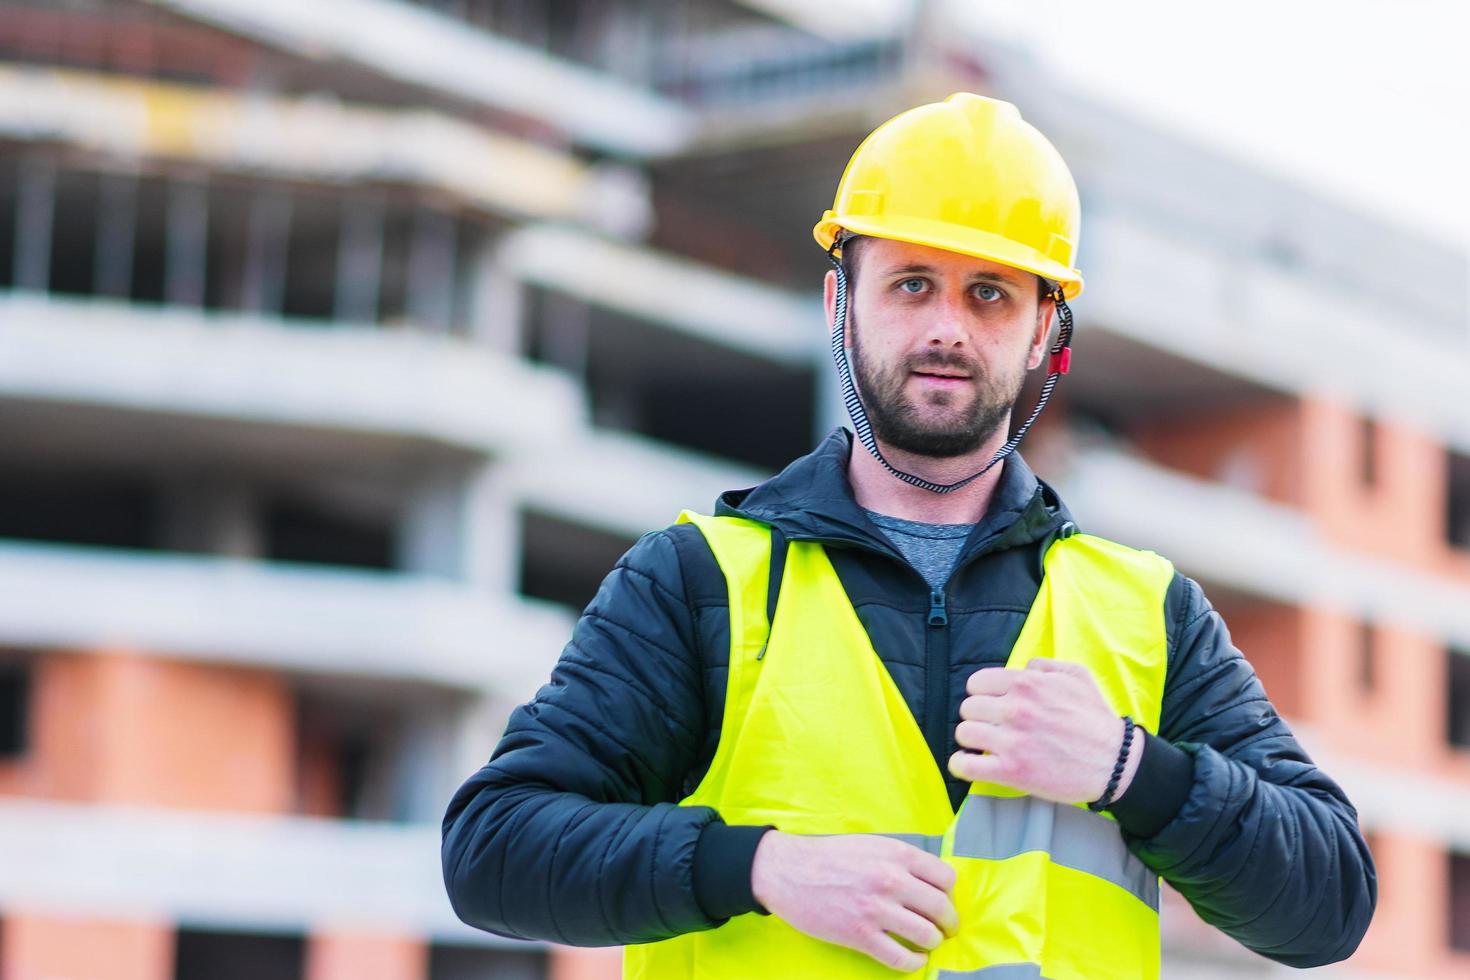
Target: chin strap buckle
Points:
(1061, 361)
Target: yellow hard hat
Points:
(967, 175)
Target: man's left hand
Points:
(1044, 730)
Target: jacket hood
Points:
(812, 499)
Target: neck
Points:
(878, 490)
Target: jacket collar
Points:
(811, 499)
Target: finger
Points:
(926, 867)
(981, 736)
(975, 768)
(905, 923)
(933, 903)
(991, 680)
(983, 707)
(1052, 665)
(886, 950)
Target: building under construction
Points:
(346, 345)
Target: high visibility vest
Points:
(816, 739)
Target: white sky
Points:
(1366, 100)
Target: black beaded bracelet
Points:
(1106, 800)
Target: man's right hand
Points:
(855, 889)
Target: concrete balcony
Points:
(1406, 799)
(843, 21)
(292, 618)
(300, 138)
(704, 302)
(239, 383)
(623, 483)
(1267, 327)
(289, 874)
(1241, 540)
(423, 48)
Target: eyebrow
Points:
(920, 268)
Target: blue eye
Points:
(995, 293)
(908, 282)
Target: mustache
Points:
(945, 361)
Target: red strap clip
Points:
(1061, 362)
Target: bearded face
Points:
(935, 403)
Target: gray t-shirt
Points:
(930, 548)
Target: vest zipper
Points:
(936, 678)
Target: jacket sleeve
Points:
(1264, 845)
(567, 834)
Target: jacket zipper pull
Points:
(937, 614)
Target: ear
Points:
(829, 295)
(1046, 312)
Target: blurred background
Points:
(346, 344)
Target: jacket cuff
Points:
(1159, 788)
(723, 857)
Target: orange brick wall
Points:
(123, 727)
(1270, 637)
(1401, 516)
(346, 954)
(48, 947)
(1410, 931)
(1256, 446)
(576, 963)
(1310, 453)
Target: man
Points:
(890, 710)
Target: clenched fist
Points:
(1044, 730)
(857, 889)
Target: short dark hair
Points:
(851, 246)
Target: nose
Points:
(946, 329)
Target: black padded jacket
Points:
(570, 832)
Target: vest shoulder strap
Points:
(1120, 567)
(752, 557)
(1102, 603)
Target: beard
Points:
(897, 420)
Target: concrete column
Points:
(424, 775)
(355, 954)
(497, 303)
(267, 239)
(187, 244)
(359, 261)
(566, 330)
(431, 261)
(211, 517)
(460, 524)
(35, 213)
(44, 946)
(478, 727)
(117, 220)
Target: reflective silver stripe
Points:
(933, 843)
(1001, 971)
(996, 828)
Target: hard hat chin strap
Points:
(1060, 363)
